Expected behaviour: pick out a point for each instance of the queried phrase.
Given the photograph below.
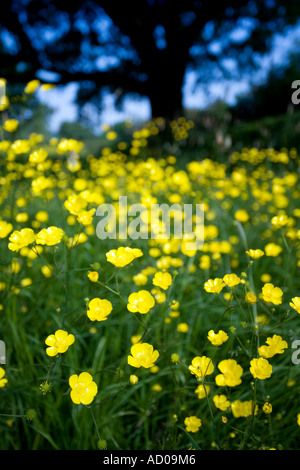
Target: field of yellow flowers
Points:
(142, 343)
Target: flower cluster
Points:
(178, 338)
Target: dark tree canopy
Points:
(142, 47)
(273, 95)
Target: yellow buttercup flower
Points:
(140, 279)
(69, 145)
(221, 402)
(32, 86)
(267, 408)
(20, 239)
(42, 216)
(272, 249)
(47, 86)
(93, 276)
(141, 301)
(4, 104)
(59, 342)
(204, 262)
(47, 270)
(275, 345)
(265, 277)
(136, 339)
(160, 297)
(133, 379)
(280, 220)
(111, 135)
(14, 267)
(163, 280)
(3, 381)
(78, 238)
(156, 388)
(202, 391)
(40, 184)
(260, 368)
(137, 252)
(10, 125)
(5, 228)
(86, 217)
(83, 388)
(192, 423)
(142, 355)
(174, 313)
(214, 286)
(74, 204)
(4, 101)
(22, 217)
(250, 298)
(27, 281)
(182, 327)
(231, 280)
(175, 358)
(21, 202)
(175, 305)
(217, 338)
(295, 304)
(265, 351)
(38, 156)
(49, 236)
(231, 373)
(272, 294)
(122, 256)
(99, 309)
(243, 408)
(201, 366)
(241, 215)
(255, 254)
(20, 146)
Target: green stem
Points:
(93, 416)
(112, 290)
(212, 418)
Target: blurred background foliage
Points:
(146, 49)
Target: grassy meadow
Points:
(179, 349)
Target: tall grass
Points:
(141, 416)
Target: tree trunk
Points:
(166, 98)
(165, 87)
